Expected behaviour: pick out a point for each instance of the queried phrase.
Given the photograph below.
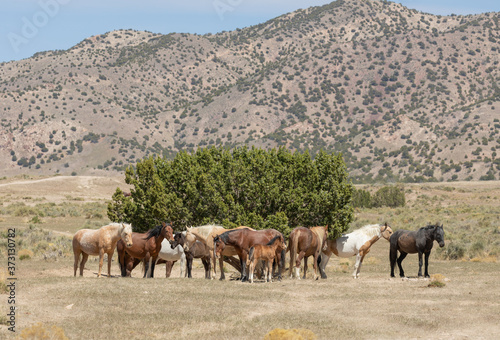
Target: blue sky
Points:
(30, 26)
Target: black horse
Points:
(411, 242)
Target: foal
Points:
(267, 253)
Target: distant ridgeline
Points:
(402, 95)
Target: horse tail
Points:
(293, 242)
(214, 257)
(251, 255)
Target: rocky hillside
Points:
(404, 95)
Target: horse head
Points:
(439, 234)
(386, 231)
(219, 246)
(189, 240)
(283, 243)
(126, 234)
(167, 231)
(178, 239)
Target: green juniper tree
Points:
(253, 187)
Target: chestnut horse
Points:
(411, 242)
(99, 242)
(206, 235)
(356, 243)
(306, 242)
(242, 240)
(193, 249)
(267, 253)
(146, 246)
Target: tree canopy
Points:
(253, 187)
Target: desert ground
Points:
(465, 305)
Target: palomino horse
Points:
(267, 253)
(99, 242)
(411, 242)
(356, 243)
(242, 240)
(306, 242)
(193, 249)
(146, 246)
(206, 235)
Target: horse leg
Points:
(153, 263)
(251, 269)
(420, 262)
(183, 264)
(101, 261)
(322, 262)
(315, 264)
(189, 265)
(77, 259)
(244, 276)
(393, 254)
(168, 268)
(426, 274)
(305, 266)
(109, 263)
(82, 264)
(208, 268)
(297, 264)
(269, 272)
(145, 262)
(221, 266)
(357, 265)
(401, 257)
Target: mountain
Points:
(404, 95)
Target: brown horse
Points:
(242, 240)
(206, 235)
(99, 242)
(267, 253)
(146, 246)
(306, 242)
(193, 249)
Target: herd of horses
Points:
(266, 247)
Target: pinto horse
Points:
(193, 249)
(356, 243)
(242, 240)
(146, 246)
(99, 242)
(306, 242)
(411, 242)
(267, 253)
(173, 254)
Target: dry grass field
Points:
(375, 306)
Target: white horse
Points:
(356, 243)
(169, 254)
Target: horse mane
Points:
(270, 243)
(224, 237)
(155, 232)
(430, 226)
(370, 230)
